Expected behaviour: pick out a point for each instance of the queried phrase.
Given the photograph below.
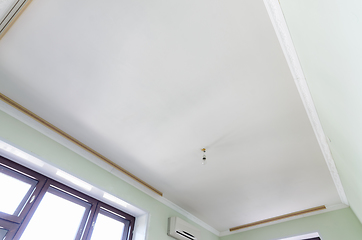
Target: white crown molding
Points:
(285, 40)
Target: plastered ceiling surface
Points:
(149, 83)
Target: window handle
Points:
(32, 199)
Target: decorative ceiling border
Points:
(276, 220)
(293, 214)
(74, 141)
(281, 29)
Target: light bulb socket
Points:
(203, 162)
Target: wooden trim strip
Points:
(279, 218)
(14, 18)
(75, 141)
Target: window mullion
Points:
(32, 209)
(91, 221)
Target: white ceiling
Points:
(150, 83)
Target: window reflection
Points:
(107, 228)
(13, 201)
(56, 218)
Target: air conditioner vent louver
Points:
(189, 234)
(184, 234)
(179, 229)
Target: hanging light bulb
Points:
(203, 161)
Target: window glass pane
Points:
(12, 199)
(107, 228)
(56, 218)
(3, 233)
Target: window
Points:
(42, 208)
(110, 224)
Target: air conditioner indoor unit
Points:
(179, 229)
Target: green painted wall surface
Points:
(22, 135)
(337, 225)
(327, 35)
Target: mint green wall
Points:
(337, 225)
(22, 135)
(327, 36)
